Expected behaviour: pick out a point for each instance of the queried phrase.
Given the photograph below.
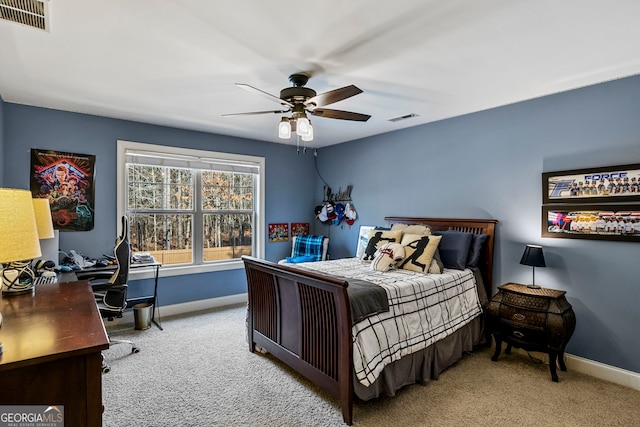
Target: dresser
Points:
(52, 342)
(532, 319)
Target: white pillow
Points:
(387, 256)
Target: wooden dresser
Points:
(532, 319)
(52, 351)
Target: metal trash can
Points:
(142, 314)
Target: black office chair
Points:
(110, 290)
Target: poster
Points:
(594, 222)
(67, 181)
(611, 184)
(278, 232)
(299, 228)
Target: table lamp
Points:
(534, 257)
(44, 222)
(49, 241)
(19, 242)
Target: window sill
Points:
(180, 270)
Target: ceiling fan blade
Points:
(265, 94)
(255, 113)
(339, 114)
(332, 96)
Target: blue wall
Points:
(289, 183)
(489, 165)
(483, 165)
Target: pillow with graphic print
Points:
(387, 256)
(377, 238)
(418, 252)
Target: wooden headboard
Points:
(475, 226)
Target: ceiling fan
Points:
(300, 100)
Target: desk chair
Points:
(110, 289)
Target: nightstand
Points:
(531, 319)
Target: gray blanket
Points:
(365, 298)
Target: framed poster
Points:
(67, 181)
(299, 228)
(595, 222)
(279, 232)
(611, 184)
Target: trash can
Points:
(142, 315)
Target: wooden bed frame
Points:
(304, 319)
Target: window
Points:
(191, 209)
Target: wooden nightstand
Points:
(532, 319)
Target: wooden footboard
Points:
(303, 319)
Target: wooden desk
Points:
(52, 351)
(131, 301)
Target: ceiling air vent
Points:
(32, 13)
(406, 116)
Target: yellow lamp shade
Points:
(18, 228)
(43, 218)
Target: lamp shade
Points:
(302, 126)
(284, 129)
(43, 218)
(309, 135)
(18, 228)
(533, 256)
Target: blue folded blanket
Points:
(301, 258)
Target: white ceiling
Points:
(175, 63)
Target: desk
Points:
(153, 299)
(53, 341)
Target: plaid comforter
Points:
(422, 310)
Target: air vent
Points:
(32, 13)
(406, 116)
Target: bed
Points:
(304, 317)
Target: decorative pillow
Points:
(475, 251)
(412, 228)
(418, 251)
(436, 264)
(377, 238)
(454, 248)
(387, 256)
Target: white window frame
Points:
(259, 199)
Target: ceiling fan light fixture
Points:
(309, 136)
(303, 126)
(284, 128)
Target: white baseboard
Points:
(602, 371)
(595, 369)
(207, 304)
(182, 308)
(576, 363)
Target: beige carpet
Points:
(199, 372)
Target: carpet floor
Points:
(199, 372)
